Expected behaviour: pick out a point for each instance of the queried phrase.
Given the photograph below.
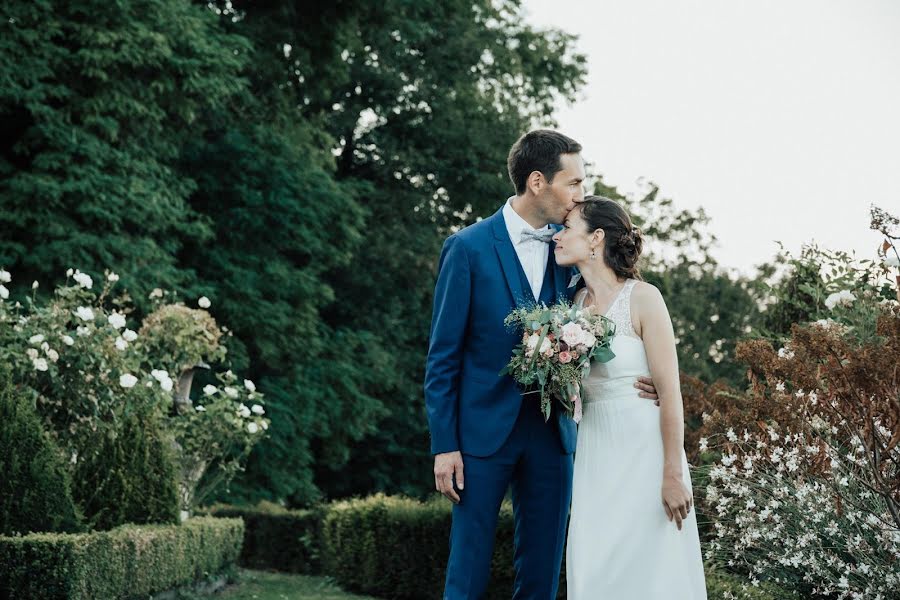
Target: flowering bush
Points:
(807, 489)
(88, 367)
(558, 345)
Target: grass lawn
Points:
(263, 585)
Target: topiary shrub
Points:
(35, 492)
(130, 476)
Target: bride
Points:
(632, 529)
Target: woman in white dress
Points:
(632, 529)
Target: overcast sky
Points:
(780, 117)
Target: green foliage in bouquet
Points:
(559, 343)
(35, 492)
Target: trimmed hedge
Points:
(127, 562)
(398, 548)
(278, 538)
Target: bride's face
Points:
(574, 243)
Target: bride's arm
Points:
(655, 328)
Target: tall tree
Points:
(95, 103)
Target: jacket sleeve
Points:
(452, 297)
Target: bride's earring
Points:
(593, 255)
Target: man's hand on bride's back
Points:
(448, 466)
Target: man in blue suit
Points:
(485, 435)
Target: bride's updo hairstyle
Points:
(623, 241)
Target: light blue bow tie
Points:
(541, 235)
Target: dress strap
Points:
(620, 311)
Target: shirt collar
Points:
(515, 224)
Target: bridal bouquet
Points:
(558, 346)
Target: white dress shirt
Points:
(533, 254)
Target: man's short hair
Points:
(538, 150)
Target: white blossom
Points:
(117, 320)
(69, 272)
(121, 344)
(200, 408)
(35, 285)
(83, 279)
(5, 277)
(4, 293)
(204, 302)
(85, 313)
(67, 340)
(165, 381)
(209, 390)
(129, 335)
(83, 331)
(156, 293)
(40, 364)
(127, 380)
(244, 411)
(112, 277)
(36, 339)
(231, 392)
(252, 427)
(249, 385)
(258, 410)
(53, 355)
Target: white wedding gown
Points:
(621, 545)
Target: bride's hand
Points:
(677, 499)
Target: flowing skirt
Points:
(621, 545)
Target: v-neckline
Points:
(614, 300)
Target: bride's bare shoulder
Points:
(647, 296)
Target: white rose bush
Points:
(87, 363)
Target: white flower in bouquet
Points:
(127, 380)
(4, 293)
(121, 344)
(67, 340)
(249, 385)
(112, 277)
(156, 293)
(5, 277)
(841, 298)
(31, 353)
(258, 410)
(200, 408)
(84, 313)
(573, 334)
(69, 272)
(40, 364)
(53, 355)
(129, 335)
(165, 382)
(252, 427)
(83, 331)
(83, 279)
(231, 392)
(204, 302)
(209, 390)
(35, 285)
(265, 425)
(244, 411)
(117, 320)
(36, 339)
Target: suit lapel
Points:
(509, 262)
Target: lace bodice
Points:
(615, 379)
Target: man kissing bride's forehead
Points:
(493, 429)
(546, 166)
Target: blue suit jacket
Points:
(470, 407)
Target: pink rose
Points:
(565, 357)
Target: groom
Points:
(485, 435)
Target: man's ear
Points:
(535, 182)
